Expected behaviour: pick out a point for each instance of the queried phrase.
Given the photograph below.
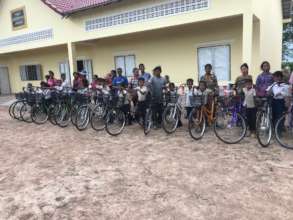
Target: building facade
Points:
(96, 36)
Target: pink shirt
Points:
(51, 82)
(291, 79)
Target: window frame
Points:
(24, 17)
(124, 57)
(213, 46)
(25, 66)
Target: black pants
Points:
(157, 109)
(278, 108)
(141, 110)
(251, 118)
(188, 111)
(126, 110)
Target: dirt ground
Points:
(52, 173)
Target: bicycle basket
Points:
(31, 97)
(39, 97)
(20, 96)
(261, 102)
(82, 98)
(172, 98)
(197, 100)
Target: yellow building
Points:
(96, 36)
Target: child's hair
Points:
(189, 81)
(158, 68)
(263, 63)
(171, 85)
(208, 65)
(244, 65)
(203, 82)
(141, 79)
(278, 74)
(249, 81)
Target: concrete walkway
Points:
(6, 100)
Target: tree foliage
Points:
(288, 42)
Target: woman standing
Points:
(264, 80)
(243, 78)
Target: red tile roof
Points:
(66, 7)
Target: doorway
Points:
(4, 81)
(85, 66)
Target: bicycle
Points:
(284, 129)
(172, 114)
(44, 107)
(198, 116)
(264, 125)
(99, 113)
(230, 125)
(115, 118)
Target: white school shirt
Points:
(279, 90)
(249, 98)
(123, 95)
(188, 93)
(141, 93)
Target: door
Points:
(86, 66)
(4, 81)
(65, 69)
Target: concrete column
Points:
(71, 47)
(247, 38)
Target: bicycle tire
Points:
(259, 129)
(148, 122)
(112, 115)
(24, 110)
(166, 119)
(280, 136)
(98, 117)
(39, 116)
(82, 118)
(242, 133)
(10, 110)
(191, 124)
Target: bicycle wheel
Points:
(63, 116)
(10, 110)
(39, 115)
(115, 122)
(230, 128)
(196, 124)
(82, 117)
(148, 122)
(16, 110)
(53, 112)
(98, 118)
(284, 131)
(73, 114)
(26, 113)
(171, 117)
(264, 129)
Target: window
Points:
(127, 63)
(30, 72)
(18, 18)
(219, 57)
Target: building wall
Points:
(175, 49)
(269, 12)
(49, 58)
(41, 17)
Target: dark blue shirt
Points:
(118, 80)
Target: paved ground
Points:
(6, 100)
(52, 173)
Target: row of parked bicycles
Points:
(103, 111)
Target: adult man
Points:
(157, 85)
(144, 74)
(119, 79)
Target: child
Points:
(142, 92)
(279, 90)
(189, 91)
(125, 105)
(249, 94)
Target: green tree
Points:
(288, 42)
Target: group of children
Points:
(135, 92)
